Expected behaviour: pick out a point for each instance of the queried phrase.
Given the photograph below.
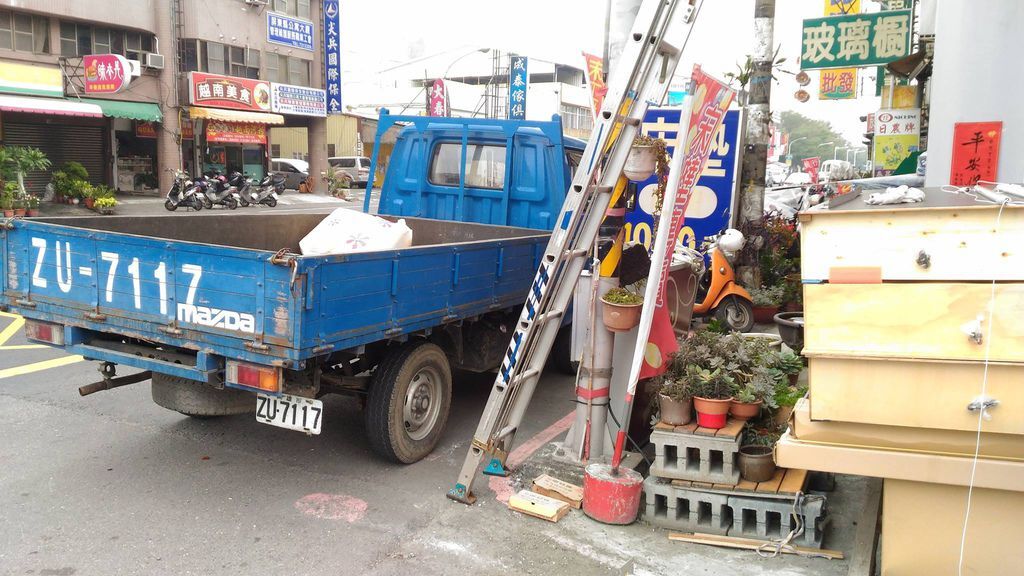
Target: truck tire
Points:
(198, 400)
(407, 406)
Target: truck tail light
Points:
(44, 332)
(253, 377)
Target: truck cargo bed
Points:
(211, 283)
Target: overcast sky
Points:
(382, 33)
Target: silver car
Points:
(357, 167)
(293, 170)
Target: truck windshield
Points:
(485, 165)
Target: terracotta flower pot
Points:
(90, 202)
(744, 410)
(620, 317)
(711, 412)
(793, 307)
(793, 378)
(9, 213)
(757, 463)
(19, 211)
(765, 314)
(782, 415)
(32, 212)
(675, 413)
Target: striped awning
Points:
(235, 116)
(52, 106)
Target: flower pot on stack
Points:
(744, 410)
(712, 412)
(673, 412)
(757, 463)
(765, 314)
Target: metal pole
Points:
(757, 138)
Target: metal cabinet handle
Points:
(924, 260)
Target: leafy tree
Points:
(814, 133)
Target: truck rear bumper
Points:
(204, 369)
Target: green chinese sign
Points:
(854, 40)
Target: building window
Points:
(213, 58)
(286, 69)
(331, 150)
(576, 117)
(275, 151)
(485, 165)
(272, 67)
(24, 32)
(298, 71)
(217, 58)
(81, 40)
(298, 8)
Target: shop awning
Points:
(53, 106)
(236, 116)
(145, 111)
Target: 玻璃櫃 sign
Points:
(854, 40)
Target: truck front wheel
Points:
(408, 402)
(198, 400)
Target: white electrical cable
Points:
(981, 408)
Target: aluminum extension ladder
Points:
(653, 48)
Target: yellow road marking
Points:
(25, 347)
(11, 329)
(37, 366)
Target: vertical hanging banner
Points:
(595, 80)
(975, 152)
(437, 101)
(811, 166)
(656, 342)
(517, 80)
(332, 56)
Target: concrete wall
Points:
(977, 78)
(134, 14)
(238, 24)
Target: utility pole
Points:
(756, 137)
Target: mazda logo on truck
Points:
(215, 318)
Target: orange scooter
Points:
(718, 294)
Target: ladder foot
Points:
(461, 494)
(496, 468)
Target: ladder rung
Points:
(504, 432)
(552, 315)
(526, 375)
(668, 49)
(630, 121)
(603, 189)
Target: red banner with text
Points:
(236, 132)
(595, 79)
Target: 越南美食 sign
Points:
(855, 40)
(105, 73)
(228, 92)
(332, 56)
(517, 81)
(289, 31)
(236, 132)
(298, 100)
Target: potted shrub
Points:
(712, 391)
(25, 159)
(32, 207)
(19, 207)
(7, 204)
(621, 310)
(88, 196)
(766, 300)
(675, 402)
(643, 158)
(756, 456)
(758, 392)
(105, 205)
(791, 365)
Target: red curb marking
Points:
(502, 487)
(332, 507)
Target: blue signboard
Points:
(711, 201)
(517, 80)
(289, 31)
(332, 56)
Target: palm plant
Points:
(25, 159)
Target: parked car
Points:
(357, 167)
(835, 170)
(294, 171)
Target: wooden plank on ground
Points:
(559, 490)
(724, 487)
(682, 483)
(746, 486)
(772, 486)
(538, 505)
(750, 544)
(664, 427)
(702, 431)
(731, 430)
(702, 485)
(865, 540)
(793, 482)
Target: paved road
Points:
(113, 484)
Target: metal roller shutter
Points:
(61, 144)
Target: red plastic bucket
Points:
(712, 420)
(611, 498)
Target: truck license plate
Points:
(291, 412)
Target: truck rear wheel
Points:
(198, 400)
(407, 406)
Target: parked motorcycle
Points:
(214, 189)
(267, 190)
(242, 185)
(718, 294)
(182, 193)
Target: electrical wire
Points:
(981, 408)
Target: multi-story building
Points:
(201, 82)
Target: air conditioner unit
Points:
(257, 2)
(155, 61)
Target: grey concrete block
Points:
(692, 457)
(685, 510)
(770, 519)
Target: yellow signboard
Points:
(839, 83)
(838, 7)
(904, 97)
(16, 78)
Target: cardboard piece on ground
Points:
(559, 490)
(750, 544)
(538, 505)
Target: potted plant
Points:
(105, 205)
(19, 207)
(758, 392)
(621, 309)
(791, 365)
(25, 159)
(643, 158)
(712, 391)
(88, 196)
(7, 204)
(32, 208)
(766, 300)
(675, 402)
(756, 456)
